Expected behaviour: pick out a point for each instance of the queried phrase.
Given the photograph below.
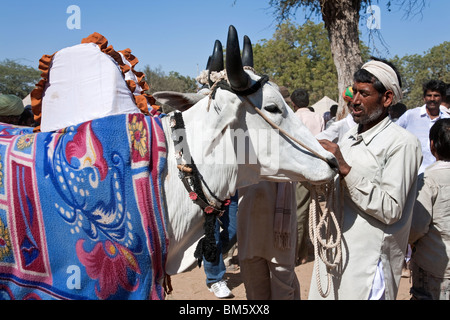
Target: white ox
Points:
(211, 132)
(88, 242)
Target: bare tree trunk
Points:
(341, 19)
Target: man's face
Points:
(432, 100)
(368, 106)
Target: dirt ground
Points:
(191, 285)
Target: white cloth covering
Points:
(387, 77)
(84, 84)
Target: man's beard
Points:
(368, 118)
(432, 105)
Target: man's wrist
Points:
(344, 170)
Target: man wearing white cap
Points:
(378, 165)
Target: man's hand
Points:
(344, 168)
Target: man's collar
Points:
(367, 136)
(423, 112)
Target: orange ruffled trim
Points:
(37, 93)
(142, 99)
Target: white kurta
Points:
(379, 196)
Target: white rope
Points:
(325, 233)
(215, 77)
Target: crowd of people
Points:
(394, 178)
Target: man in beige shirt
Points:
(378, 165)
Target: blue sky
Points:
(178, 35)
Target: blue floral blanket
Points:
(81, 211)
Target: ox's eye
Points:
(272, 108)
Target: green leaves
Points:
(417, 69)
(17, 79)
(299, 57)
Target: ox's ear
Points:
(179, 101)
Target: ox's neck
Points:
(185, 218)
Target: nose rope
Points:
(275, 126)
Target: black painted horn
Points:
(247, 53)
(238, 78)
(215, 62)
(217, 58)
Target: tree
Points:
(158, 80)
(17, 79)
(416, 70)
(341, 18)
(300, 57)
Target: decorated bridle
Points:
(189, 175)
(188, 172)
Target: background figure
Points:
(396, 111)
(315, 123)
(445, 104)
(333, 111)
(287, 97)
(419, 120)
(267, 233)
(326, 117)
(336, 130)
(225, 239)
(12, 111)
(430, 228)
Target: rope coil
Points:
(325, 232)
